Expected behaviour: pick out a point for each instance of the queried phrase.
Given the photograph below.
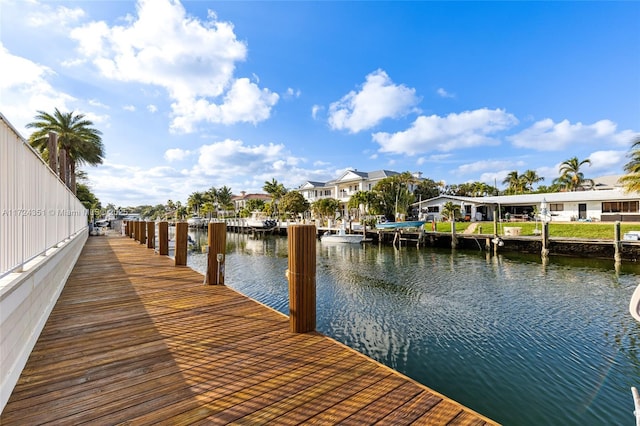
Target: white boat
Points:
(259, 220)
(341, 237)
(634, 304)
(197, 222)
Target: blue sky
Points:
(196, 94)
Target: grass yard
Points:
(586, 230)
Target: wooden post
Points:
(217, 242)
(180, 256)
(302, 278)
(545, 239)
(143, 232)
(136, 233)
(125, 224)
(163, 238)
(151, 235)
(454, 239)
(617, 245)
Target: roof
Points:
(616, 194)
(350, 176)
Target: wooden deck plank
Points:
(135, 339)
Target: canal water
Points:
(519, 341)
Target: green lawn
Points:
(587, 230)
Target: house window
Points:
(433, 209)
(556, 207)
(620, 207)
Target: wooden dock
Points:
(134, 339)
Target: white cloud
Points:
(315, 110)
(25, 89)
(444, 94)
(152, 108)
(244, 102)
(546, 135)
(193, 60)
(176, 154)
(291, 93)
(491, 165)
(130, 108)
(377, 100)
(455, 131)
(59, 17)
(608, 160)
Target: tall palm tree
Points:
(530, 178)
(79, 143)
(631, 180)
(570, 175)
(195, 200)
(514, 183)
(276, 190)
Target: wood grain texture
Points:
(135, 340)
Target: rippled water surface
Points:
(518, 341)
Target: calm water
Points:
(518, 341)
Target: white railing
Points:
(37, 211)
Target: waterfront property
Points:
(610, 203)
(134, 338)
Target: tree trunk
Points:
(53, 151)
(72, 176)
(63, 165)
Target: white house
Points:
(610, 204)
(346, 185)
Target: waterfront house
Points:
(608, 201)
(240, 201)
(347, 184)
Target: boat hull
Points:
(349, 239)
(399, 225)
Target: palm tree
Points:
(276, 190)
(224, 198)
(631, 180)
(194, 202)
(79, 143)
(530, 178)
(571, 177)
(514, 183)
(450, 210)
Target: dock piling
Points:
(217, 241)
(302, 278)
(182, 229)
(163, 238)
(151, 235)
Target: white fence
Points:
(37, 211)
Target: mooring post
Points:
(617, 244)
(163, 238)
(454, 239)
(545, 239)
(136, 234)
(143, 232)
(125, 227)
(217, 242)
(151, 234)
(302, 278)
(180, 256)
(132, 226)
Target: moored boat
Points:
(398, 225)
(341, 237)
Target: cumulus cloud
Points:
(25, 89)
(608, 160)
(176, 154)
(58, 17)
(455, 131)
(546, 135)
(492, 165)
(152, 108)
(315, 110)
(193, 60)
(379, 98)
(444, 94)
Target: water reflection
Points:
(520, 340)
